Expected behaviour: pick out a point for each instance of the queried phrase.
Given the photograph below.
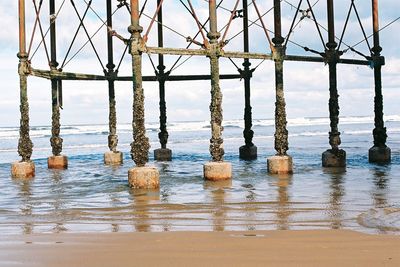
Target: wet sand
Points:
(255, 248)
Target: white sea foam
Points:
(122, 128)
(387, 219)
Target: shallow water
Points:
(91, 197)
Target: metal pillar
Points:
(140, 145)
(333, 157)
(162, 154)
(56, 161)
(25, 168)
(281, 162)
(55, 140)
(249, 150)
(217, 169)
(112, 137)
(379, 153)
(216, 145)
(112, 157)
(25, 144)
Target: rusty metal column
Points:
(216, 169)
(379, 153)
(140, 176)
(112, 157)
(281, 162)
(57, 161)
(24, 168)
(163, 153)
(333, 157)
(249, 150)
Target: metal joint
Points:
(237, 14)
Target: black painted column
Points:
(334, 157)
(379, 153)
(112, 157)
(249, 150)
(163, 153)
(57, 161)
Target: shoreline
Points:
(241, 248)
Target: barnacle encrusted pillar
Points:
(56, 161)
(379, 153)
(280, 163)
(334, 157)
(163, 153)
(217, 169)
(139, 176)
(24, 168)
(249, 150)
(112, 157)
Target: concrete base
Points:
(216, 171)
(280, 164)
(330, 159)
(379, 154)
(57, 162)
(163, 154)
(144, 178)
(248, 152)
(21, 169)
(113, 158)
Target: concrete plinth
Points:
(331, 159)
(57, 162)
(22, 169)
(280, 164)
(163, 154)
(248, 152)
(379, 154)
(113, 158)
(144, 178)
(216, 171)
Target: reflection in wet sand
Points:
(219, 192)
(379, 194)
(283, 209)
(336, 197)
(141, 209)
(25, 195)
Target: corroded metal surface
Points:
(140, 145)
(55, 140)
(161, 75)
(216, 141)
(379, 131)
(281, 132)
(25, 144)
(111, 74)
(332, 57)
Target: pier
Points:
(211, 42)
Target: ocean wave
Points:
(126, 128)
(387, 219)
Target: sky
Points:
(306, 84)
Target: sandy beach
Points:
(255, 248)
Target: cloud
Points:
(306, 84)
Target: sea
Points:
(92, 197)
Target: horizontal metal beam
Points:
(58, 75)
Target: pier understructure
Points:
(213, 43)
